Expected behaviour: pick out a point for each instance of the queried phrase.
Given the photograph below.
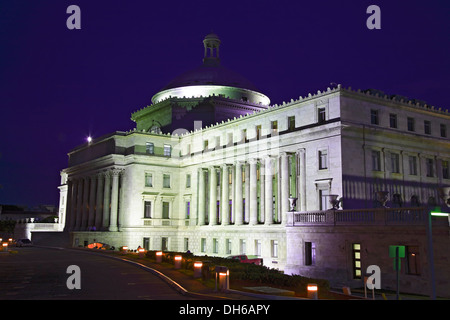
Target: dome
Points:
(211, 78)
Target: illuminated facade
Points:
(211, 165)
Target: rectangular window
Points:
(323, 199)
(146, 243)
(393, 120)
(274, 249)
(244, 135)
(429, 165)
(411, 126)
(167, 150)
(412, 165)
(258, 248)
(291, 123)
(427, 127)
(188, 181)
(228, 246)
(165, 210)
(149, 180)
(203, 245)
(164, 244)
(258, 132)
(413, 260)
(215, 246)
(374, 117)
(188, 209)
(166, 180)
(230, 139)
(443, 130)
(395, 163)
(445, 170)
(323, 159)
(243, 246)
(149, 148)
(186, 244)
(205, 145)
(356, 259)
(274, 127)
(376, 160)
(321, 115)
(147, 209)
(310, 253)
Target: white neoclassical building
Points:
(211, 165)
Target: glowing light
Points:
(312, 287)
(89, 139)
(141, 250)
(198, 264)
(5, 244)
(178, 258)
(439, 214)
(159, 253)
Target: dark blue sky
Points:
(57, 86)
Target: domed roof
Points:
(212, 74)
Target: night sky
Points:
(57, 86)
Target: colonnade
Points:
(93, 201)
(246, 195)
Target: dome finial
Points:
(211, 43)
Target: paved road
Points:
(41, 273)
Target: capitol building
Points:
(320, 185)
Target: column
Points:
(239, 217)
(106, 201)
(69, 210)
(99, 201)
(247, 193)
(262, 198)
(253, 217)
(301, 153)
(201, 197)
(85, 205)
(268, 192)
(91, 217)
(284, 158)
(79, 212)
(225, 202)
(213, 197)
(114, 200)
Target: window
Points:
(395, 163)
(321, 115)
(149, 148)
(356, 258)
(412, 260)
(164, 244)
(188, 209)
(310, 253)
(146, 243)
(393, 120)
(244, 135)
(203, 245)
(445, 171)
(427, 127)
(376, 160)
(147, 209)
(258, 132)
(228, 246)
(323, 199)
(165, 210)
(188, 181)
(274, 127)
(149, 180)
(215, 246)
(443, 130)
(167, 150)
(429, 165)
(274, 249)
(166, 180)
(205, 145)
(186, 244)
(291, 123)
(374, 117)
(410, 122)
(258, 248)
(243, 246)
(412, 165)
(323, 159)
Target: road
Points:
(36, 273)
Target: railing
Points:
(376, 216)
